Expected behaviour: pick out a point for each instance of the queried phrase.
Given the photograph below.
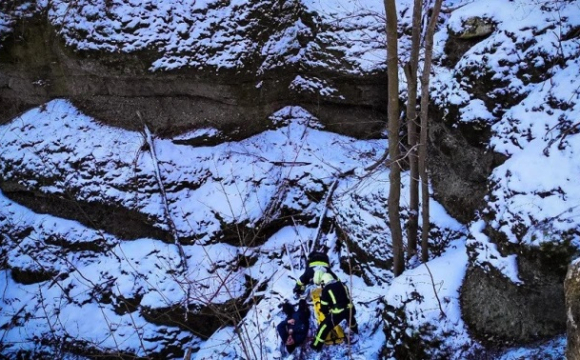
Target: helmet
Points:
(327, 278)
(318, 275)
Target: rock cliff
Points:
(209, 81)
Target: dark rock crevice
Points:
(459, 167)
(204, 320)
(29, 276)
(123, 223)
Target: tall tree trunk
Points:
(411, 73)
(425, 130)
(393, 134)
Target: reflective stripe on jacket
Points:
(335, 298)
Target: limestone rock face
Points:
(113, 87)
(460, 168)
(283, 55)
(501, 312)
(572, 291)
(120, 89)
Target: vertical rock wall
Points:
(572, 291)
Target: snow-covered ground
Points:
(44, 143)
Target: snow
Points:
(489, 255)
(236, 184)
(143, 267)
(438, 282)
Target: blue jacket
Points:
(300, 327)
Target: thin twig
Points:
(442, 314)
(149, 140)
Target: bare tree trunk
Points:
(393, 131)
(411, 73)
(425, 130)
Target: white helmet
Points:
(327, 279)
(318, 275)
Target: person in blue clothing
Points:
(294, 329)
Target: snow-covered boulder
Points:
(475, 27)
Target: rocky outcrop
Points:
(572, 289)
(113, 87)
(120, 89)
(501, 313)
(476, 27)
(460, 167)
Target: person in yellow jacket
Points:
(336, 305)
